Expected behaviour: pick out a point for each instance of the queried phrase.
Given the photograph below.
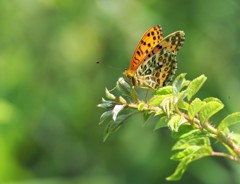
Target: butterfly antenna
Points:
(99, 62)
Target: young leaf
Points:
(195, 107)
(106, 104)
(159, 112)
(175, 122)
(157, 99)
(197, 153)
(195, 85)
(184, 153)
(164, 90)
(116, 110)
(110, 128)
(126, 89)
(183, 130)
(123, 86)
(163, 122)
(183, 105)
(209, 109)
(179, 171)
(178, 83)
(179, 98)
(185, 83)
(194, 141)
(183, 94)
(106, 115)
(167, 105)
(109, 95)
(115, 125)
(229, 120)
(192, 134)
(122, 100)
(212, 99)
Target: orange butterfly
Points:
(154, 61)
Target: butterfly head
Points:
(128, 73)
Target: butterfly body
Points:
(154, 61)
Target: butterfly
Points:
(154, 62)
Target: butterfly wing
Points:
(160, 64)
(148, 42)
(157, 70)
(172, 42)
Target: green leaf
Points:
(175, 122)
(123, 86)
(113, 126)
(185, 83)
(183, 94)
(157, 99)
(229, 120)
(116, 110)
(195, 85)
(164, 90)
(181, 168)
(106, 115)
(160, 95)
(159, 112)
(186, 152)
(197, 153)
(178, 83)
(235, 137)
(106, 104)
(163, 122)
(167, 105)
(179, 98)
(126, 89)
(192, 134)
(183, 130)
(209, 109)
(183, 105)
(109, 95)
(212, 99)
(194, 141)
(122, 100)
(195, 107)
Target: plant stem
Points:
(145, 108)
(231, 157)
(207, 128)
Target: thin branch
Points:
(208, 128)
(231, 157)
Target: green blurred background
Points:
(50, 85)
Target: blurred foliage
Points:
(50, 85)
